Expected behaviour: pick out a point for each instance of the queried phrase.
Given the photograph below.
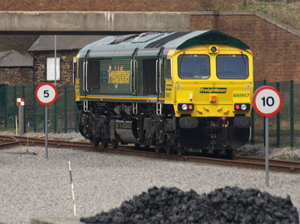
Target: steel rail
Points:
(237, 161)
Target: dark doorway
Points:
(149, 79)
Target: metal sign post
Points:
(267, 101)
(46, 94)
(267, 149)
(46, 130)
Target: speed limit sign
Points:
(46, 94)
(267, 101)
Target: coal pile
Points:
(224, 205)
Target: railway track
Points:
(273, 133)
(237, 161)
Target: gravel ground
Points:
(32, 186)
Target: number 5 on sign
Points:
(46, 94)
(267, 101)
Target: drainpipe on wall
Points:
(55, 59)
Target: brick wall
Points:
(66, 67)
(275, 49)
(115, 5)
(16, 76)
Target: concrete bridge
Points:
(91, 22)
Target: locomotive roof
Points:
(152, 44)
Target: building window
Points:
(51, 69)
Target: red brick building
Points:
(15, 69)
(67, 47)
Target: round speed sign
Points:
(46, 93)
(267, 101)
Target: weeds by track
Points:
(237, 161)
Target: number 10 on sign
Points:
(267, 101)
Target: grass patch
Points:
(286, 13)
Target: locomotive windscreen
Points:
(232, 66)
(194, 66)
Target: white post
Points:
(73, 195)
(21, 120)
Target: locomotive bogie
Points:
(172, 91)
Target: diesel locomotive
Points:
(175, 91)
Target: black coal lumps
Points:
(224, 205)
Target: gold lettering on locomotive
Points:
(213, 90)
(118, 76)
(77, 91)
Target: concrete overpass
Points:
(91, 22)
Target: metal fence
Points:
(284, 128)
(61, 114)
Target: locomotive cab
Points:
(213, 96)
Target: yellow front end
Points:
(212, 81)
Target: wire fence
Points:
(61, 114)
(284, 129)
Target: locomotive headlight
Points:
(243, 106)
(185, 107)
(213, 49)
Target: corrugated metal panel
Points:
(63, 42)
(146, 37)
(148, 46)
(105, 87)
(161, 42)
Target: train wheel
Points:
(95, 142)
(217, 151)
(180, 150)
(115, 144)
(204, 151)
(137, 145)
(168, 149)
(147, 147)
(228, 152)
(104, 144)
(157, 149)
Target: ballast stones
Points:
(224, 205)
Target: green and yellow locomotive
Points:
(177, 91)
